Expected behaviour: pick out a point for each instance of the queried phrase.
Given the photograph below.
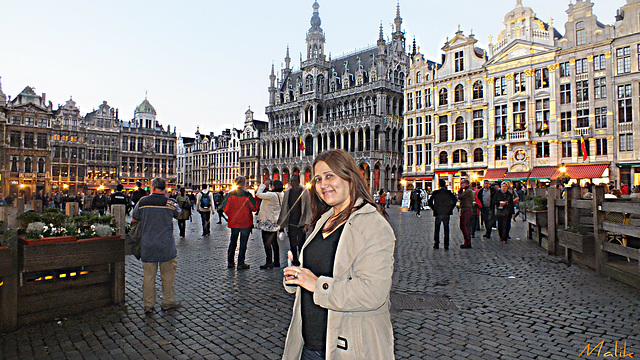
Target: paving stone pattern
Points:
(509, 302)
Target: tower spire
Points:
(381, 37)
(413, 52)
(398, 20)
(287, 59)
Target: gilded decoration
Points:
(590, 58)
(509, 76)
(529, 72)
(490, 80)
(572, 62)
(607, 54)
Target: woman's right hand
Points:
(296, 275)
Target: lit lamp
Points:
(403, 182)
(562, 169)
(474, 176)
(21, 186)
(65, 186)
(308, 185)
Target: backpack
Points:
(205, 200)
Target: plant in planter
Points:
(97, 231)
(8, 237)
(533, 203)
(38, 230)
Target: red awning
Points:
(494, 174)
(589, 171)
(518, 175)
(542, 172)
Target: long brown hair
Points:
(346, 168)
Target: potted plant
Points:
(535, 208)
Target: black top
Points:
(319, 256)
(295, 210)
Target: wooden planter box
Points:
(68, 278)
(583, 245)
(8, 289)
(537, 217)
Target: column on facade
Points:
(356, 135)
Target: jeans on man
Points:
(487, 219)
(168, 278)
(444, 219)
(206, 222)
(474, 221)
(465, 216)
(296, 240)
(233, 243)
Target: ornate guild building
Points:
(353, 102)
(249, 157)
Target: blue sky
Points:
(204, 62)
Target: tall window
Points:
(600, 88)
(601, 147)
(519, 115)
(542, 78)
(587, 146)
(418, 77)
(459, 128)
(409, 155)
(442, 158)
(624, 104)
(428, 125)
(580, 33)
(29, 141)
(601, 117)
(583, 118)
(443, 121)
(427, 98)
(500, 86)
(41, 165)
(443, 97)
(409, 101)
(14, 164)
(582, 66)
(42, 122)
(478, 155)
(409, 128)
(419, 154)
(582, 90)
(565, 121)
(14, 139)
(565, 69)
(419, 99)
(542, 149)
(519, 82)
(459, 60)
(565, 93)
(27, 165)
(626, 142)
(478, 124)
(501, 152)
(501, 121)
(478, 90)
(566, 149)
(459, 93)
(623, 60)
(542, 115)
(428, 153)
(419, 126)
(599, 62)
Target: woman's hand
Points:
(296, 275)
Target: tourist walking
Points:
(295, 215)
(239, 206)
(120, 198)
(267, 220)
(204, 203)
(416, 200)
(185, 205)
(475, 218)
(503, 202)
(217, 200)
(99, 203)
(484, 200)
(466, 196)
(138, 193)
(442, 203)
(155, 213)
(341, 308)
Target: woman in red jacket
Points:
(239, 206)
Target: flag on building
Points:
(302, 147)
(583, 148)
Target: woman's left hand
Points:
(296, 275)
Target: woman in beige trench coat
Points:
(356, 296)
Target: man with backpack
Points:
(204, 204)
(442, 202)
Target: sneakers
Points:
(465, 246)
(173, 305)
(243, 266)
(418, 215)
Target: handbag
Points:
(134, 237)
(267, 225)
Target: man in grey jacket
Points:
(295, 215)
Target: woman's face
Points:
(505, 187)
(332, 189)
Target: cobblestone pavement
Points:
(493, 301)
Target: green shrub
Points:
(533, 203)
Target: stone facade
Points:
(353, 102)
(249, 156)
(69, 141)
(104, 145)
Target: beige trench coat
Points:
(357, 296)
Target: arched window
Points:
(443, 97)
(478, 90)
(459, 93)
(27, 165)
(459, 128)
(418, 77)
(478, 155)
(442, 159)
(14, 164)
(320, 87)
(580, 33)
(309, 83)
(41, 163)
(459, 156)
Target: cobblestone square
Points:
(493, 301)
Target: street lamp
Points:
(562, 169)
(403, 182)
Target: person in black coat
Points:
(442, 202)
(484, 199)
(503, 202)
